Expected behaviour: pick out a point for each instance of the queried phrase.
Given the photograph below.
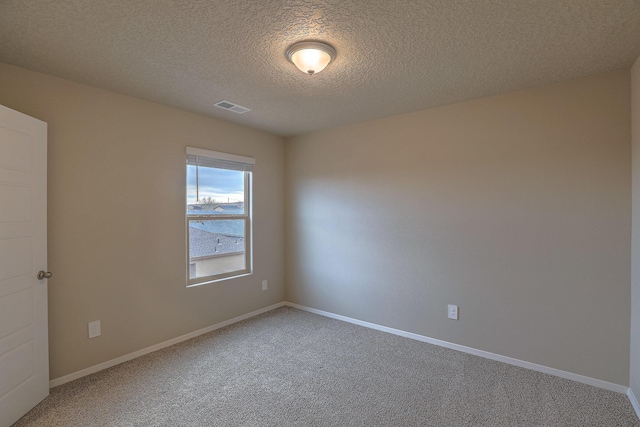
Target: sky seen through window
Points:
(222, 185)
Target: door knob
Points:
(44, 275)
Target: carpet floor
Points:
(292, 368)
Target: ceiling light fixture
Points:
(311, 57)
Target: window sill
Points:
(193, 285)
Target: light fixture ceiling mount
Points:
(311, 57)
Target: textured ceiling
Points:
(394, 56)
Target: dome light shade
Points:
(311, 57)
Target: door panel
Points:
(16, 257)
(15, 148)
(16, 203)
(16, 312)
(17, 366)
(24, 348)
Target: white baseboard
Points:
(634, 401)
(517, 362)
(135, 354)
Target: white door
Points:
(24, 347)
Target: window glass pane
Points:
(216, 247)
(213, 191)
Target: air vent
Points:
(230, 106)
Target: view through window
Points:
(218, 215)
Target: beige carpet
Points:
(292, 368)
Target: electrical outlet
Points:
(94, 329)
(453, 312)
(264, 285)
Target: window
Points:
(218, 212)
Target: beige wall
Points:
(514, 207)
(635, 242)
(116, 218)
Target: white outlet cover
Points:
(453, 312)
(264, 285)
(94, 329)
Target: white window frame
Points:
(246, 216)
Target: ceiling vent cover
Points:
(230, 106)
